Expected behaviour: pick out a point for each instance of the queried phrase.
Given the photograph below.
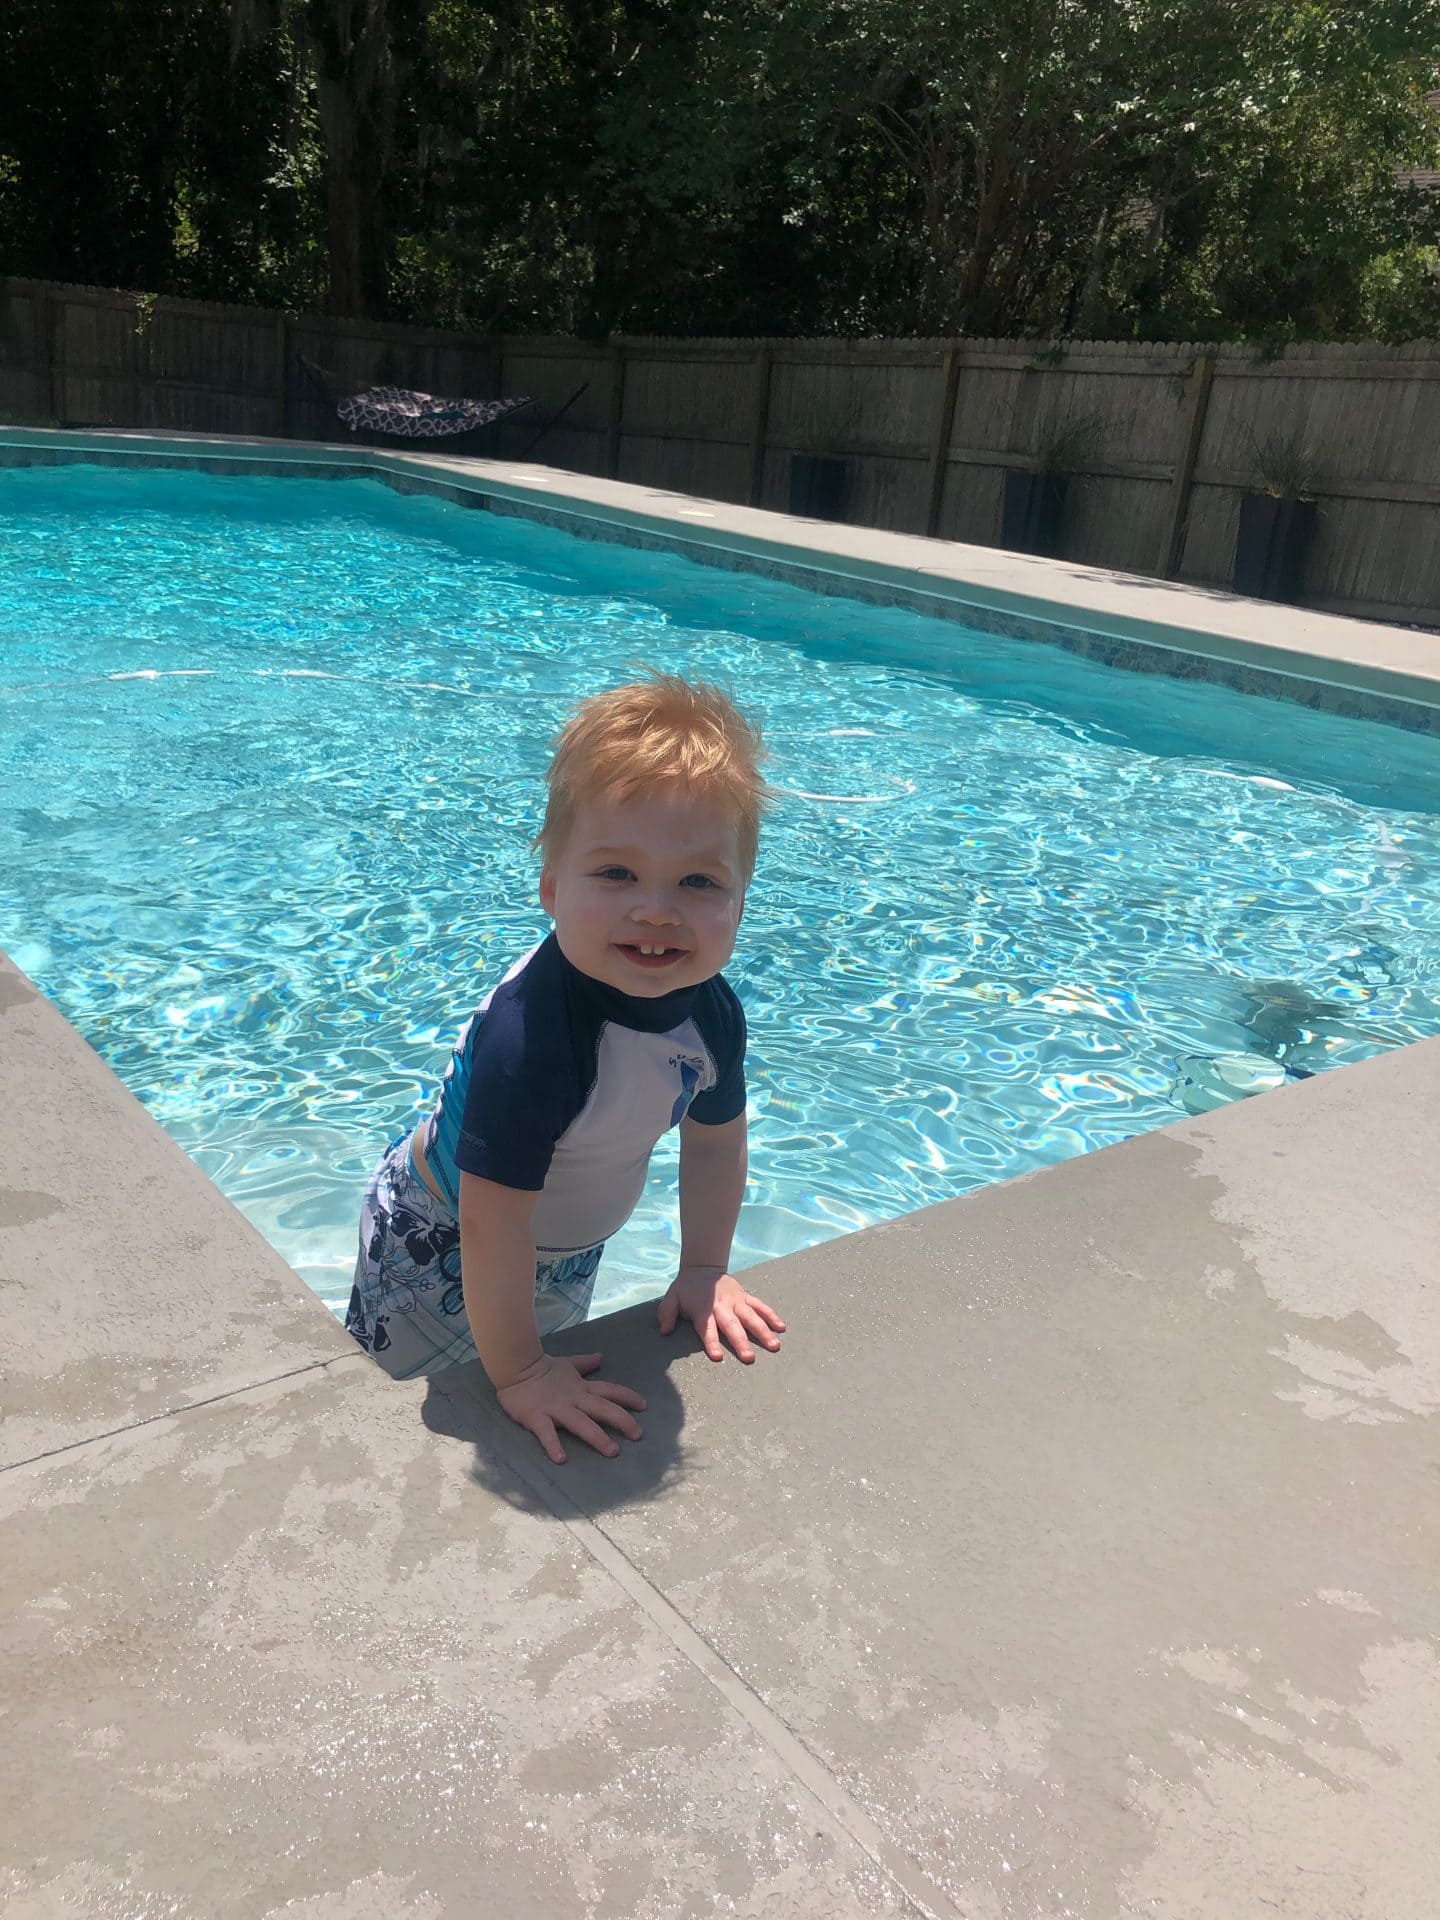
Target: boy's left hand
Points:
(716, 1304)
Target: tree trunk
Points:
(354, 208)
(996, 201)
(355, 82)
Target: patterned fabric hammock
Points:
(421, 416)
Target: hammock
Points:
(421, 416)
(409, 415)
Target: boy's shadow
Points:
(510, 1462)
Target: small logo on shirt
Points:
(690, 1071)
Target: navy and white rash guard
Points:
(561, 1085)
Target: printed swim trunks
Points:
(406, 1307)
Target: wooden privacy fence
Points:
(926, 429)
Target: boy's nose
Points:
(655, 911)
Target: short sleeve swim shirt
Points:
(562, 1085)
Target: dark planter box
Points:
(1032, 512)
(1270, 546)
(817, 486)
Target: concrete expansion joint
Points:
(186, 1406)
(917, 1890)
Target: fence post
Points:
(1192, 427)
(282, 378)
(1020, 442)
(939, 452)
(759, 427)
(617, 410)
(45, 341)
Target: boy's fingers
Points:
(584, 1428)
(614, 1416)
(586, 1362)
(544, 1431)
(710, 1338)
(767, 1314)
(757, 1327)
(669, 1312)
(730, 1326)
(622, 1396)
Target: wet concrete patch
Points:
(20, 1207)
(283, 1651)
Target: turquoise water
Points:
(270, 758)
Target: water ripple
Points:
(1012, 905)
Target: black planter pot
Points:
(817, 486)
(1270, 546)
(1032, 512)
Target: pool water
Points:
(271, 756)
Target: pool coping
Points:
(1361, 668)
(1193, 1376)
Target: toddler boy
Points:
(482, 1230)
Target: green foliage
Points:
(1153, 169)
(1285, 466)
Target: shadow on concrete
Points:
(510, 1463)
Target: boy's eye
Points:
(614, 873)
(698, 880)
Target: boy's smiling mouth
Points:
(651, 953)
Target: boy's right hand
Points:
(555, 1393)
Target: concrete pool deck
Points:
(1077, 1556)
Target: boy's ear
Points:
(547, 891)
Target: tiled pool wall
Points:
(1133, 656)
(817, 574)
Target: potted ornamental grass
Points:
(1277, 523)
(1032, 507)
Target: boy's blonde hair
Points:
(640, 736)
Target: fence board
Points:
(827, 407)
(970, 505)
(678, 397)
(1210, 535)
(713, 470)
(1114, 522)
(24, 356)
(985, 403)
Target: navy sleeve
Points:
(530, 1075)
(721, 1020)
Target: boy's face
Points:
(660, 871)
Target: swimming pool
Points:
(269, 764)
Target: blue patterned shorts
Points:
(406, 1307)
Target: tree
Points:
(1047, 165)
(1156, 168)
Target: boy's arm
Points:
(497, 1278)
(713, 1164)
